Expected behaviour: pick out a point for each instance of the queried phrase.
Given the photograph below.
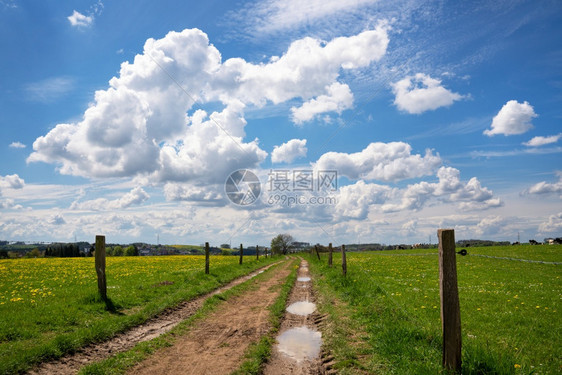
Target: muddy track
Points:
(216, 345)
(300, 357)
(154, 327)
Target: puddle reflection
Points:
(300, 343)
(302, 308)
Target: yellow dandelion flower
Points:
(517, 365)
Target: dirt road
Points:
(162, 323)
(216, 344)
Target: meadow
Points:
(50, 306)
(510, 310)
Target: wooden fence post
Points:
(257, 252)
(343, 261)
(317, 253)
(450, 306)
(241, 254)
(100, 266)
(206, 258)
(330, 254)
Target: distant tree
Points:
(108, 251)
(225, 251)
(3, 254)
(131, 251)
(281, 244)
(225, 246)
(35, 253)
(118, 251)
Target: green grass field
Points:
(50, 306)
(510, 310)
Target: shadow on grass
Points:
(108, 303)
(111, 307)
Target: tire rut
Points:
(282, 362)
(216, 344)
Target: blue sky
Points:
(126, 119)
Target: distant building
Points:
(300, 246)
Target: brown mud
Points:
(216, 345)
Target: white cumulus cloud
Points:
(513, 118)
(189, 193)
(543, 187)
(57, 219)
(354, 201)
(469, 196)
(136, 196)
(77, 19)
(552, 225)
(16, 145)
(392, 161)
(12, 181)
(421, 93)
(289, 151)
(490, 225)
(304, 71)
(338, 98)
(541, 141)
(143, 124)
(6, 204)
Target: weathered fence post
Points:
(450, 306)
(317, 253)
(100, 266)
(257, 252)
(241, 254)
(206, 258)
(343, 261)
(330, 254)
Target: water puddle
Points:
(302, 308)
(303, 279)
(300, 343)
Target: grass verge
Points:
(508, 312)
(56, 309)
(342, 336)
